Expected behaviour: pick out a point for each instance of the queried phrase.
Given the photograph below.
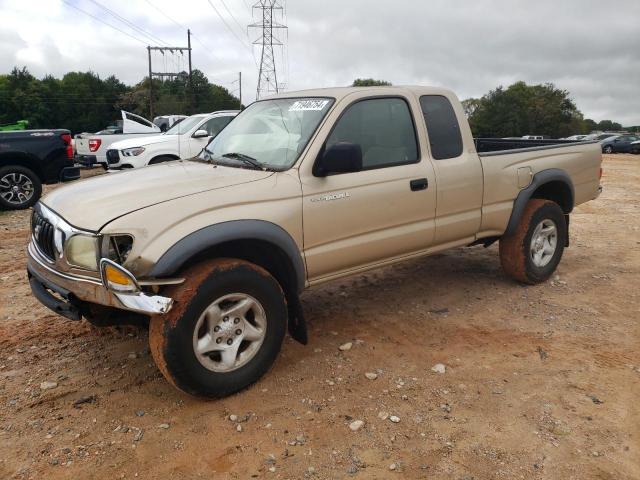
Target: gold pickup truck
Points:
(299, 189)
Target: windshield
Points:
(184, 126)
(272, 133)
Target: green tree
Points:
(523, 109)
(470, 105)
(609, 125)
(84, 102)
(370, 82)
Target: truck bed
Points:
(509, 165)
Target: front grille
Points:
(43, 233)
(113, 156)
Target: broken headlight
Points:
(117, 247)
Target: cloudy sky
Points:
(591, 48)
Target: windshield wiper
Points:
(246, 159)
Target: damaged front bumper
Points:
(65, 293)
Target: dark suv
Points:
(30, 158)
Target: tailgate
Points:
(82, 146)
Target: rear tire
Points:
(607, 149)
(224, 331)
(20, 187)
(532, 253)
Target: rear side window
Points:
(383, 127)
(442, 125)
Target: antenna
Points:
(267, 23)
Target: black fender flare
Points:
(539, 179)
(177, 255)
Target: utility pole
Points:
(150, 84)
(169, 75)
(240, 87)
(267, 78)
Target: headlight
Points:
(132, 152)
(82, 251)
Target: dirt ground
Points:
(541, 382)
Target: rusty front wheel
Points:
(224, 331)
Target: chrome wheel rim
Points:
(16, 188)
(544, 242)
(230, 332)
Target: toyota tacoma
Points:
(299, 189)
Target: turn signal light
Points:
(116, 278)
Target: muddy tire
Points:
(224, 331)
(19, 187)
(532, 253)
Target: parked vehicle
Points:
(299, 189)
(165, 122)
(10, 127)
(92, 148)
(618, 144)
(29, 158)
(183, 140)
(533, 137)
(577, 138)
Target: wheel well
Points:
(155, 159)
(265, 254)
(21, 160)
(556, 191)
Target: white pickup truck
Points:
(92, 148)
(184, 140)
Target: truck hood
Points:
(92, 203)
(143, 141)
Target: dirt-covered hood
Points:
(92, 203)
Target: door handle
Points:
(419, 184)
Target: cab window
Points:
(442, 126)
(383, 127)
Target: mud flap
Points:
(297, 324)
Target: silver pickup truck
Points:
(299, 189)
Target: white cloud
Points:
(584, 46)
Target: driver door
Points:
(385, 211)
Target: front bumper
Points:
(72, 290)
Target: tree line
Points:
(522, 109)
(84, 102)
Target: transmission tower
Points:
(267, 24)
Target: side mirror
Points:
(342, 157)
(200, 134)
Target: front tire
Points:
(607, 149)
(20, 187)
(224, 331)
(532, 253)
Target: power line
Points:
(234, 18)
(103, 22)
(229, 28)
(165, 15)
(132, 25)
